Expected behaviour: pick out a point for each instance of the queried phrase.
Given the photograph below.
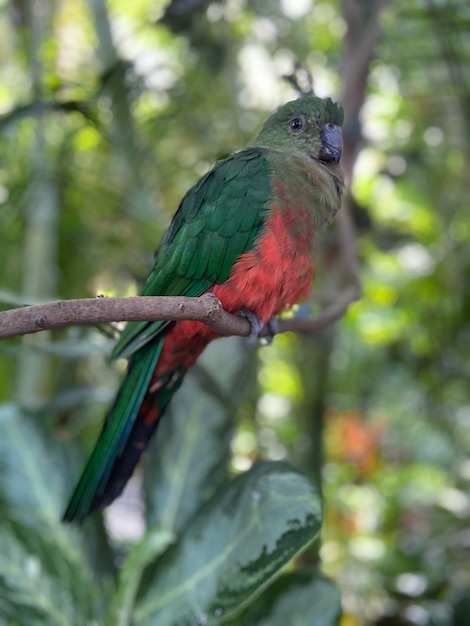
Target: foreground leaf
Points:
(295, 599)
(154, 543)
(36, 474)
(248, 531)
(29, 594)
(188, 458)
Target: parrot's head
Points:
(308, 126)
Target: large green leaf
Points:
(29, 593)
(36, 474)
(121, 605)
(187, 459)
(295, 599)
(247, 532)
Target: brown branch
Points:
(329, 315)
(206, 309)
(363, 29)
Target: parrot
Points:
(245, 232)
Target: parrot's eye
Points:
(297, 124)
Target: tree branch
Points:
(206, 309)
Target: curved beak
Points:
(332, 143)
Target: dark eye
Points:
(297, 124)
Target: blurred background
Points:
(110, 111)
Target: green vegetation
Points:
(109, 113)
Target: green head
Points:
(309, 126)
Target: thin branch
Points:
(206, 309)
(329, 315)
(363, 29)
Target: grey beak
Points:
(332, 143)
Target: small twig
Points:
(206, 309)
(328, 316)
(298, 76)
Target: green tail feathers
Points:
(101, 479)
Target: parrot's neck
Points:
(311, 184)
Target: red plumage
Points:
(272, 276)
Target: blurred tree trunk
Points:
(340, 270)
(40, 239)
(128, 151)
(313, 362)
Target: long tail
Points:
(129, 425)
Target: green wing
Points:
(217, 221)
(93, 483)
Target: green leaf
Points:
(248, 531)
(188, 458)
(297, 599)
(154, 543)
(36, 475)
(29, 594)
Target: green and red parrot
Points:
(245, 232)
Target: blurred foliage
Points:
(109, 113)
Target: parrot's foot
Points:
(273, 327)
(256, 326)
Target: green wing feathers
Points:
(217, 221)
(115, 433)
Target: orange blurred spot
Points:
(351, 439)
